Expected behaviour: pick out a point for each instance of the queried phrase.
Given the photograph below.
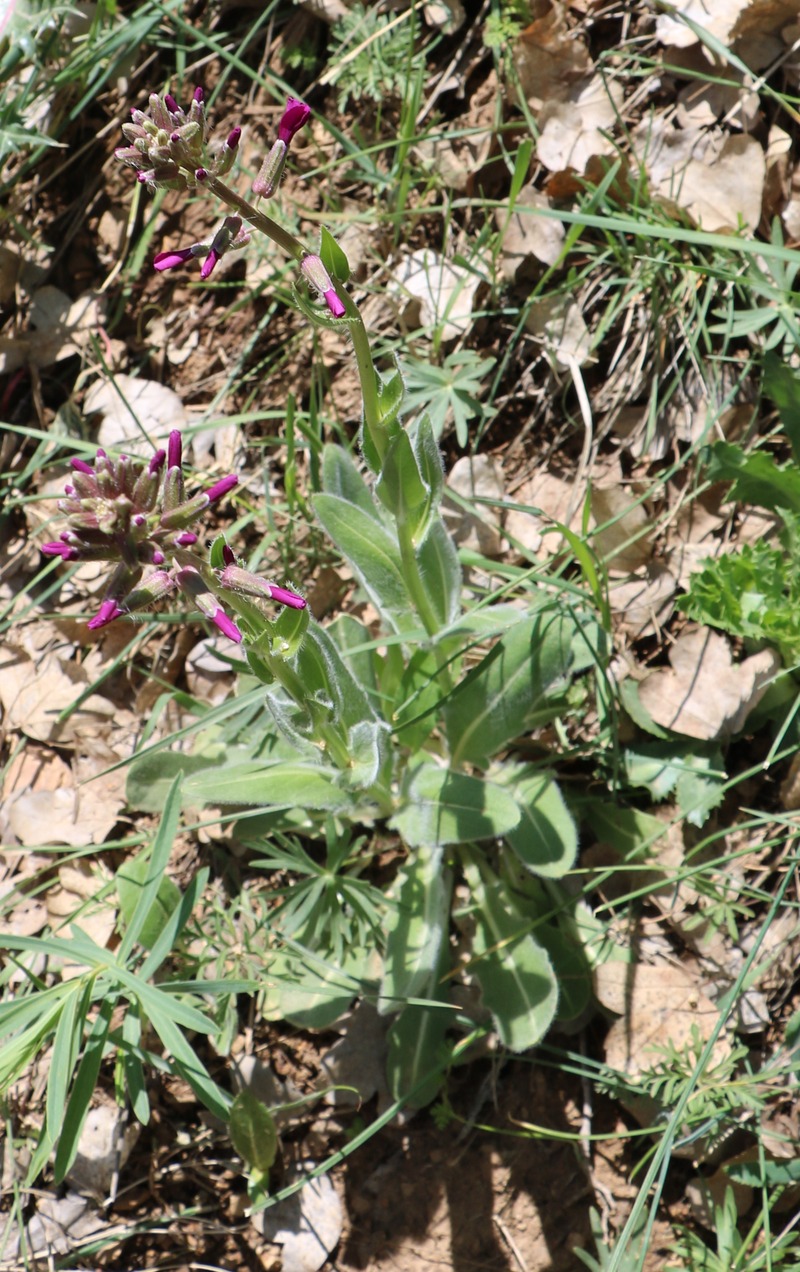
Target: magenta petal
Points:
(333, 302)
(168, 260)
(284, 597)
(108, 611)
(81, 466)
(294, 116)
(233, 138)
(174, 449)
(209, 263)
(222, 487)
(226, 626)
(62, 550)
(156, 462)
(228, 555)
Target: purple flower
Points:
(317, 275)
(333, 302)
(210, 263)
(226, 626)
(239, 580)
(63, 550)
(135, 514)
(221, 487)
(295, 114)
(108, 611)
(168, 260)
(174, 449)
(233, 138)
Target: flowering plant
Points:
(345, 728)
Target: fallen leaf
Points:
(718, 17)
(60, 327)
(471, 477)
(643, 605)
(626, 537)
(356, 1063)
(436, 293)
(547, 56)
(104, 1146)
(75, 899)
(657, 1003)
(717, 179)
(558, 322)
(34, 692)
(135, 413)
(526, 236)
(572, 131)
(704, 694)
(550, 499)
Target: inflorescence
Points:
(136, 514)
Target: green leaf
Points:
(66, 1047)
(443, 807)
(782, 385)
(630, 831)
(254, 1134)
(400, 487)
(415, 966)
(82, 1091)
(333, 257)
(417, 1054)
(570, 967)
(391, 392)
(132, 1066)
(308, 989)
(373, 555)
(546, 838)
(150, 777)
(765, 1174)
(512, 688)
(132, 877)
(454, 387)
(340, 477)
(756, 478)
(429, 458)
(514, 972)
(701, 788)
(186, 1061)
(147, 897)
(416, 929)
(350, 635)
(441, 572)
(279, 785)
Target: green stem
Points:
(285, 241)
(368, 379)
(413, 578)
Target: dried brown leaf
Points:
(548, 58)
(657, 1003)
(704, 694)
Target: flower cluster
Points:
(136, 514)
(168, 150)
(168, 145)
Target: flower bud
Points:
(316, 274)
(271, 171)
